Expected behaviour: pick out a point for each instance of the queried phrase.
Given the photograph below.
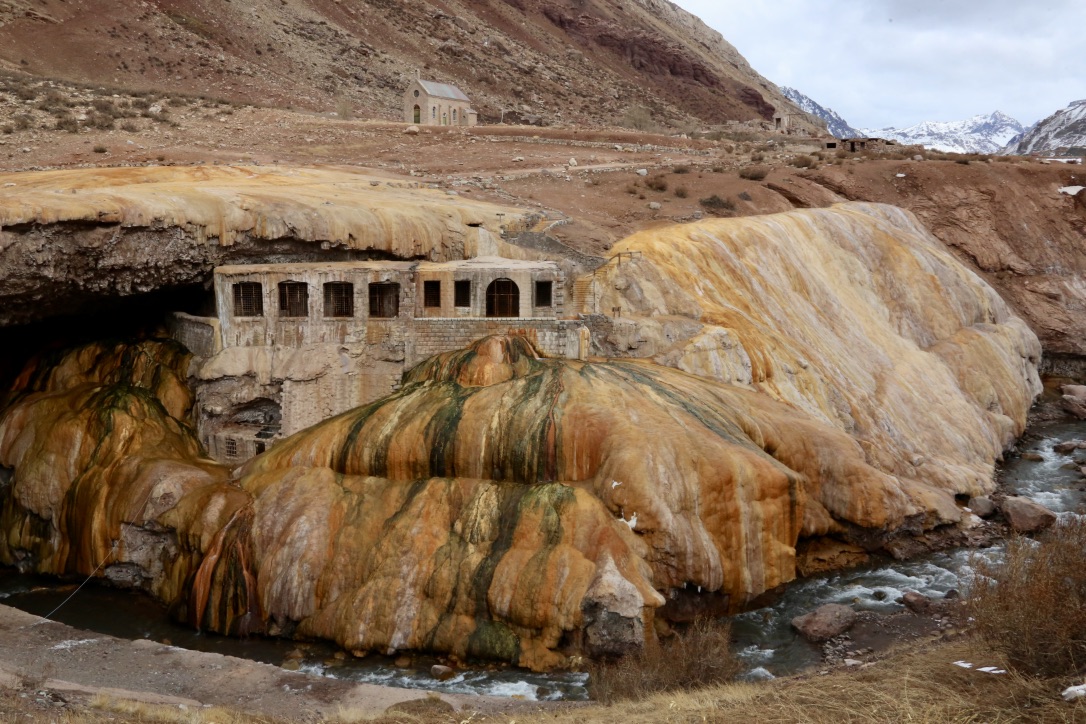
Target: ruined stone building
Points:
(429, 103)
(294, 344)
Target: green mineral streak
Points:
(441, 434)
(494, 640)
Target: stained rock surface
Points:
(814, 379)
(856, 315)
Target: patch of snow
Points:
(1071, 190)
(71, 644)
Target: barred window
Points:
(544, 294)
(293, 299)
(462, 293)
(384, 299)
(339, 299)
(502, 299)
(248, 299)
(231, 447)
(431, 294)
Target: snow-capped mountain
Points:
(979, 134)
(1063, 129)
(836, 125)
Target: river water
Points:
(764, 638)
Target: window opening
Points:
(231, 447)
(248, 299)
(338, 299)
(293, 299)
(261, 446)
(431, 293)
(384, 299)
(502, 298)
(544, 294)
(462, 293)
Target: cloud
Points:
(897, 62)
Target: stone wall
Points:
(200, 335)
(552, 337)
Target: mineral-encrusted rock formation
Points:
(854, 314)
(840, 380)
(72, 236)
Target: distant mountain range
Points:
(1064, 129)
(979, 134)
(836, 125)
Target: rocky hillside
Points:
(979, 134)
(835, 124)
(1062, 131)
(587, 61)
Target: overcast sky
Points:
(885, 63)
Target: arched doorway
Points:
(503, 299)
(418, 115)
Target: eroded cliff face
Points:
(853, 314)
(102, 473)
(76, 236)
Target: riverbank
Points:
(50, 669)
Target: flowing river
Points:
(764, 636)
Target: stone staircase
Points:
(584, 295)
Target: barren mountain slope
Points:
(576, 60)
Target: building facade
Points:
(294, 344)
(428, 103)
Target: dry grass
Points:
(160, 713)
(1033, 606)
(698, 657)
(920, 684)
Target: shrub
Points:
(681, 169)
(101, 121)
(130, 127)
(1032, 606)
(100, 149)
(754, 173)
(803, 162)
(105, 106)
(682, 192)
(23, 121)
(67, 123)
(7, 129)
(757, 157)
(716, 205)
(657, 183)
(632, 189)
(698, 657)
(962, 161)
(638, 118)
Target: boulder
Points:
(654, 205)
(1068, 447)
(442, 673)
(1025, 516)
(642, 172)
(982, 506)
(1033, 456)
(572, 162)
(916, 602)
(825, 622)
(411, 130)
